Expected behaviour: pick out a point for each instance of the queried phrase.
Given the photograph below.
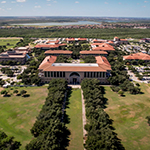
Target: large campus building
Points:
(14, 56)
(74, 73)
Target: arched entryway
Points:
(74, 78)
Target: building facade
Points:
(74, 73)
(13, 56)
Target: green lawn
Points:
(75, 126)
(12, 42)
(18, 114)
(129, 114)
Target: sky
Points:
(92, 8)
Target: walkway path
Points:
(83, 111)
(83, 116)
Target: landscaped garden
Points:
(129, 113)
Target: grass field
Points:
(12, 42)
(74, 111)
(18, 114)
(129, 114)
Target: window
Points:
(88, 74)
(57, 74)
(60, 74)
(48, 74)
(54, 74)
(51, 74)
(94, 74)
(91, 74)
(103, 74)
(45, 74)
(100, 74)
(97, 74)
(64, 74)
(84, 74)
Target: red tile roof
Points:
(93, 52)
(103, 62)
(103, 47)
(56, 42)
(103, 66)
(137, 56)
(70, 39)
(46, 45)
(123, 39)
(82, 39)
(58, 52)
(111, 42)
(49, 45)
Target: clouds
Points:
(37, 6)
(3, 2)
(20, 1)
(76, 2)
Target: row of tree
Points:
(49, 130)
(100, 132)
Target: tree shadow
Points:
(8, 95)
(66, 119)
(105, 102)
(142, 93)
(26, 95)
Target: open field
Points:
(18, 113)
(74, 112)
(129, 114)
(12, 42)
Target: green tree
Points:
(23, 92)
(4, 92)
(15, 92)
(8, 143)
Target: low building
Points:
(13, 56)
(58, 52)
(93, 53)
(53, 42)
(99, 41)
(137, 56)
(82, 39)
(50, 46)
(70, 40)
(102, 47)
(22, 49)
(120, 41)
(74, 73)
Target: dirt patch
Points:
(131, 114)
(135, 127)
(144, 140)
(135, 143)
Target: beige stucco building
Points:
(74, 73)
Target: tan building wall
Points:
(74, 77)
